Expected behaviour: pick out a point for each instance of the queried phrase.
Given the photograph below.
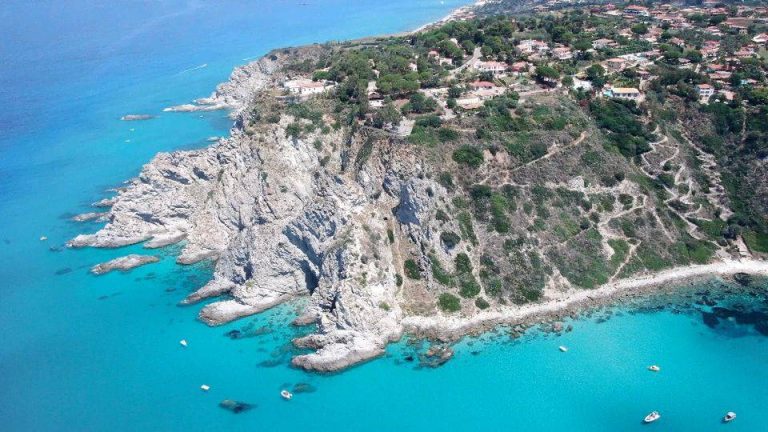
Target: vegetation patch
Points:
(412, 269)
(449, 302)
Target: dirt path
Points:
(557, 150)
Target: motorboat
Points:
(285, 394)
(563, 348)
(205, 387)
(183, 342)
(652, 417)
(729, 416)
(654, 368)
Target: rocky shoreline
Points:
(570, 305)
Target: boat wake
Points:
(202, 66)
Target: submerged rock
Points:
(106, 202)
(135, 117)
(436, 356)
(234, 334)
(304, 388)
(235, 406)
(84, 217)
(123, 263)
(710, 319)
(63, 271)
(743, 279)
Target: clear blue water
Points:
(79, 352)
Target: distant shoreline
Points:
(452, 16)
(576, 301)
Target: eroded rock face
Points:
(280, 225)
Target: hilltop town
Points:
(484, 169)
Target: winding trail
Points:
(557, 150)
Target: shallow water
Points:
(81, 352)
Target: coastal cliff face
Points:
(281, 225)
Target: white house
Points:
(705, 91)
(532, 46)
(602, 43)
(494, 67)
(306, 87)
(625, 93)
(634, 10)
(761, 39)
(562, 53)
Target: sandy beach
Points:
(457, 14)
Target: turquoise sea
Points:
(85, 353)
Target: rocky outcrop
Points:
(123, 263)
(236, 93)
(85, 217)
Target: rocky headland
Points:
(357, 219)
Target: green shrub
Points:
(467, 230)
(493, 287)
(439, 273)
(423, 136)
(626, 200)
(756, 241)
(432, 121)
(447, 134)
(530, 294)
(468, 287)
(293, 130)
(450, 239)
(446, 180)
(469, 156)
(481, 303)
(441, 215)
(449, 302)
(412, 269)
(463, 263)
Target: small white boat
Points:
(285, 394)
(43, 238)
(205, 387)
(652, 417)
(654, 368)
(183, 342)
(563, 348)
(729, 416)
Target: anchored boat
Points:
(285, 394)
(729, 416)
(654, 368)
(652, 417)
